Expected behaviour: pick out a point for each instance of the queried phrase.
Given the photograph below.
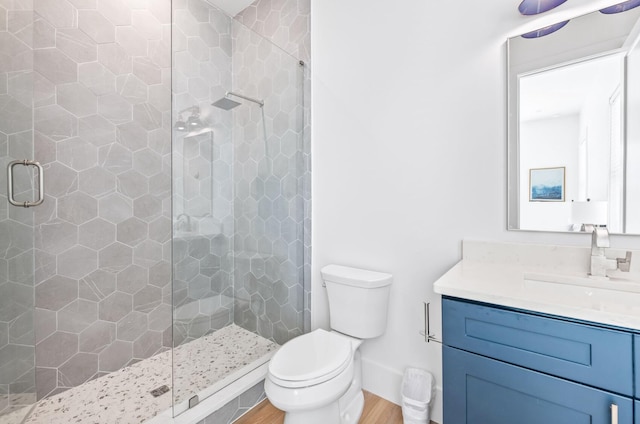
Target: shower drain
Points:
(160, 391)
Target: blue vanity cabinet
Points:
(504, 366)
(636, 378)
(480, 390)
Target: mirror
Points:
(573, 149)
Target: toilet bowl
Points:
(313, 375)
(316, 378)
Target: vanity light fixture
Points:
(534, 7)
(545, 31)
(620, 7)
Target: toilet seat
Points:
(310, 359)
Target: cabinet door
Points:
(597, 357)
(636, 358)
(479, 390)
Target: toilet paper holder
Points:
(428, 337)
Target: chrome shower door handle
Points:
(25, 162)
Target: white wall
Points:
(409, 155)
(633, 139)
(595, 124)
(548, 143)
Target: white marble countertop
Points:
(510, 275)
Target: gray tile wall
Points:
(287, 24)
(284, 22)
(17, 354)
(260, 193)
(102, 130)
(269, 207)
(214, 54)
(274, 291)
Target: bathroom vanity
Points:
(528, 339)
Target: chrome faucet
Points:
(600, 264)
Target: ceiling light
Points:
(620, 7)
(544, 31)
(533, 7)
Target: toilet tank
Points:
(358, 300)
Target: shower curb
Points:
(213, 403)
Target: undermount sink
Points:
(614, 295)
(625, 283)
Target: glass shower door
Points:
(17, 299)
(237, 203)
(17, 339)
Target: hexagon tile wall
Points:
(102, 130)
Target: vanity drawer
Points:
(591, 355)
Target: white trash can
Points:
(417, 392)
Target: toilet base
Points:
(352, 402)
(352, 413)
(336, 412)
(325, 415)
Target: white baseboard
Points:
(387, 382)
(436, 409)
(382, 381)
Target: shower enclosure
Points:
(172, 243)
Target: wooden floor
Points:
(376, 411)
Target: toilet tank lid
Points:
(355, 276)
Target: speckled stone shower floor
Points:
(123, 397)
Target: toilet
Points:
(316, 378)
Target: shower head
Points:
(226, 104)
